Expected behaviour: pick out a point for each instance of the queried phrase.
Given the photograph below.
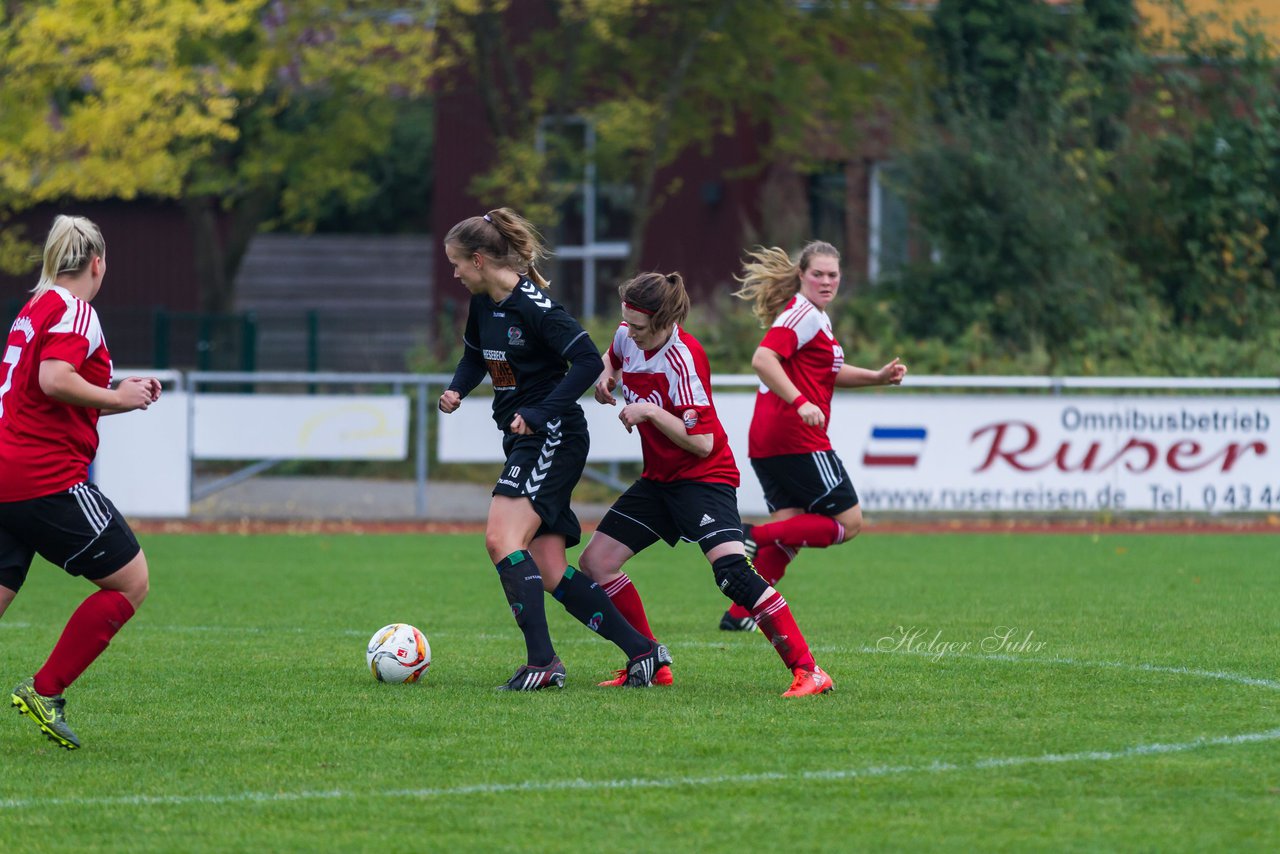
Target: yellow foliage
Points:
(106, 99)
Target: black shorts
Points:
(692, 510)
(79, 530)
(815, 482)
(545, 468)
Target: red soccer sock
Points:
(87, 634)
(626, 599)
(773, 616)
(808, 529)
(771, 563)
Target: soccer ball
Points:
(398, 653)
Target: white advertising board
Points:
(997, 453)
(142, 463)
(300, 427)
(1012, 453)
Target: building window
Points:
(887, 217)
(591, 245)
(828, 205)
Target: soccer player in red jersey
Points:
(55, 380)
(688, 488)
(540, 361)
(810, 497)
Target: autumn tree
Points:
(657, 77)
(240, 109)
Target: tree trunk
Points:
(221, 242)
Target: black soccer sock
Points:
(584, 599)
(522, 582)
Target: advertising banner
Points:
(1012, 453)
(997, 453)
(298, 427)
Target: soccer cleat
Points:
(642, 669)
(730, 623)
(47, 712)
(807, 682)
(651, 668)
(530, 678)
(662, 676)
(748, 542)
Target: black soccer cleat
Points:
(642, 669)
(730, 623)
(530, 678)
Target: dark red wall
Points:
(697, 231)
(149, 253)
(149, 266)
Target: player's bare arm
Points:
(851, 376)
(606, 384)
(151, 384)
(672, 427)
(60, 381)
(449, 401)
(768, 366)
(519, 427)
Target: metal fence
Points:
(425, 388)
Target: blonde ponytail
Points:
(72, 243)
(770, 279)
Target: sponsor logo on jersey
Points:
(23, 325)
(504, 378)
(690, 419)
(499, 314)
(891, 447)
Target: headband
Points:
(635, 307)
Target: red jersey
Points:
(811, 358)
(45, 445)
(677, 377)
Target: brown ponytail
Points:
(506, 237)
(660, 295)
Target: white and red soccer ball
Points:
(398, 653)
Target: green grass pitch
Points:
(993, 692)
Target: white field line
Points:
(833, 775)
(866, 772)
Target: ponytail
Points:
(506, 237)
(770, 279)
(659, 295)
(72, 243)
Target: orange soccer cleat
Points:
(661, 677)
(815, 681)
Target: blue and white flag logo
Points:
(894, 447)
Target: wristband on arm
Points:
(800, 401)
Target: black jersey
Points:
(526, 344)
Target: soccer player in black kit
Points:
(541, 361)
